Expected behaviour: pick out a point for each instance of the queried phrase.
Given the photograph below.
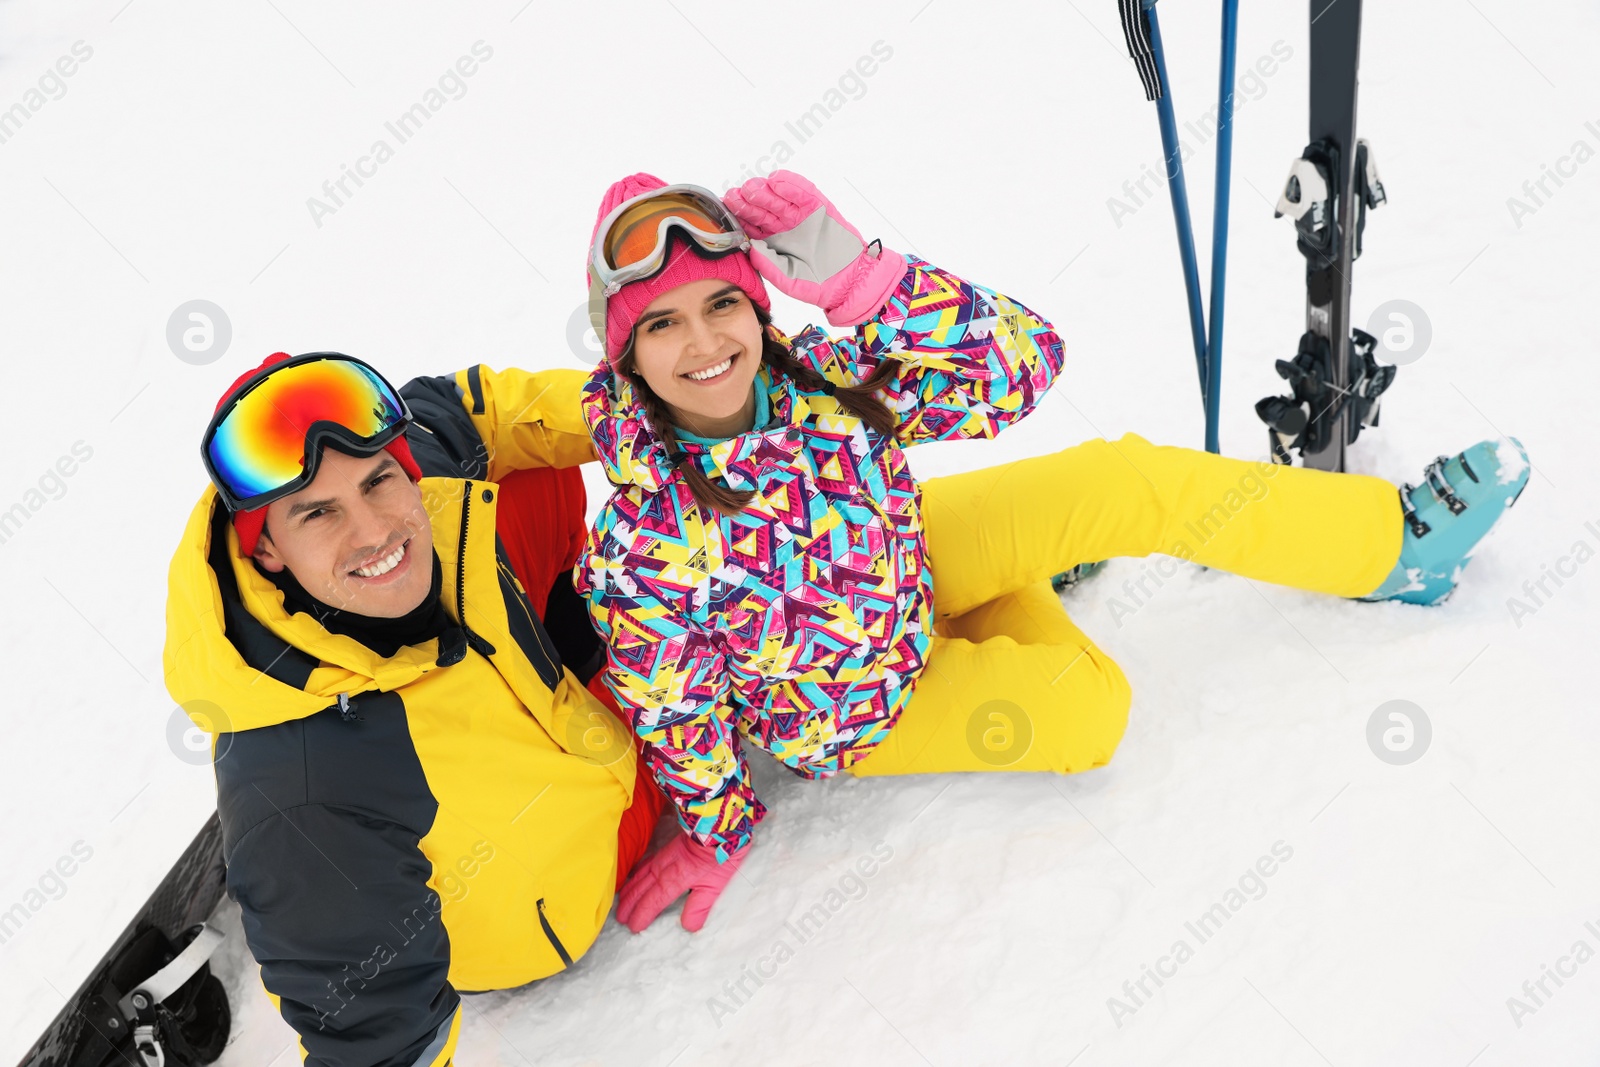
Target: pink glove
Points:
(682, 864)
(803, 248)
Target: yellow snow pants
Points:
(1010, 682)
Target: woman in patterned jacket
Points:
(769, 572)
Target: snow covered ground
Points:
(1008, 919)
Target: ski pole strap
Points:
(161, 985)
(1136, 31)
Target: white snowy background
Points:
(176, 164)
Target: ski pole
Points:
(1161, 93)
(1212, 390)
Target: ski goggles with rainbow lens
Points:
(265, 442)
(631, 241)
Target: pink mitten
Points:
(681, 865)
(801, 245)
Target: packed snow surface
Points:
(1370, 911)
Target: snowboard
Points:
(101, 1022)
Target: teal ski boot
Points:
(1081, 573)
(1461, 499)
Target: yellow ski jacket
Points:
(397, 829)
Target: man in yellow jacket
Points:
(371, 612)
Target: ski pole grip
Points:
(1136, 32)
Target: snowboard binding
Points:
(152, 1000)
(160, 1003)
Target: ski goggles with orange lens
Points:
(265, 442)
(631, 242)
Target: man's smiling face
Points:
(357, 538)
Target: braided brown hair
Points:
(711, 496)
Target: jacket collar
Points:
(233, 646)
(633, 455)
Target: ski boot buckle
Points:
(1441, 488)
(1413, 520)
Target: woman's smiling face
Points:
(698, 346)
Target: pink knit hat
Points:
(684, 264)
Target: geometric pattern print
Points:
(801, 624)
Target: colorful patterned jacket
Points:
(801, 624)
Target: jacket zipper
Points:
(479, 645)
(544, 921)
(533, 623)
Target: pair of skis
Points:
(1335, 381)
